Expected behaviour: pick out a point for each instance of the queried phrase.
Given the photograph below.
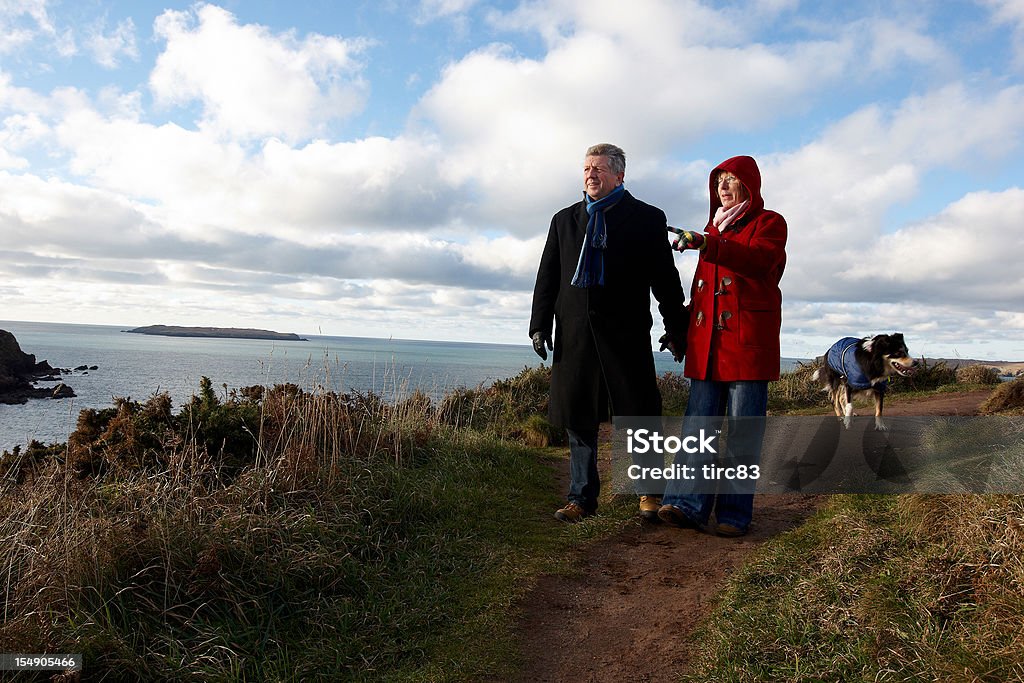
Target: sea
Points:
(137, 366)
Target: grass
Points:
(276, 535)
(878, 588)
(280, 534)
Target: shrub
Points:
(796, 389)
(977, 374)
(501, 408)
(927, 376)
(1008, 396)
(675, 392)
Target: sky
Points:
(390, 169)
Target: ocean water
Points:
(137, 366)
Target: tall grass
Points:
(272, 534)
(878, 588)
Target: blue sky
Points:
(390, 168)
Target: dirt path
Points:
(630, 614)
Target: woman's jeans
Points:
(709, 403)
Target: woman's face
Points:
(730, 190)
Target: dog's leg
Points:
(879, 398)
(847, 407)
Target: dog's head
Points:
(893, 351)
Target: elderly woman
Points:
(732, 347)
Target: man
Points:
(603, 258)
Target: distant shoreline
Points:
(215, 332)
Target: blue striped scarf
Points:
(590, 268)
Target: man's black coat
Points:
(602, 335)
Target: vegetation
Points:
(878, 588)
(1008, 398)
(283, 534)
(274, 535)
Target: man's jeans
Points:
(708, 404)
(584, 483)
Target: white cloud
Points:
(517, 127)
(21, 21)
(836, 191)
(251, 82)
(1010, 12)
(439, 9)
(107, 48)
(969, 255)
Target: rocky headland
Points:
(216, 332)
(19, 372)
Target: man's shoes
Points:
(571, 513)
(649, 507)
(674, 516)
(729, 531)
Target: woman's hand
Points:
(689, 240)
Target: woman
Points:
(732, 349)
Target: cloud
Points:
(250, 82)
(967, 255)
(107, 48)
(516, 126)
(244, 188)
(430, 10)
(1010, 13)
(837, 191)
(21, 21)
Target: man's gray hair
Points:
(616, 157)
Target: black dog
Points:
(862, 367)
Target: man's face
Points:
(598, 178)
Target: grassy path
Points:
(630, 610)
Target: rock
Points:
(63, 391)
(18, 370)
(81, 368)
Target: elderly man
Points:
(603, 258)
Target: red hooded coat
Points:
(736, 303)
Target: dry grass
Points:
(977, 374)
(1007, 398)
(272, 534)
(879, 588)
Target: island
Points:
(215, 332)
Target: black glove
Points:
(675, 344)
(540, 339)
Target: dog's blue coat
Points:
(841, 358)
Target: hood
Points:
(744, 168)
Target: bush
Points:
(1008, 396)
(796, 389)
(927, 376)
(502, 408)
(977, 374)
(675, 392)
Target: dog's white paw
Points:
(881, 426)
(846, 421)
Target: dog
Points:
(861, 368)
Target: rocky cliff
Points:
(18, 370)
